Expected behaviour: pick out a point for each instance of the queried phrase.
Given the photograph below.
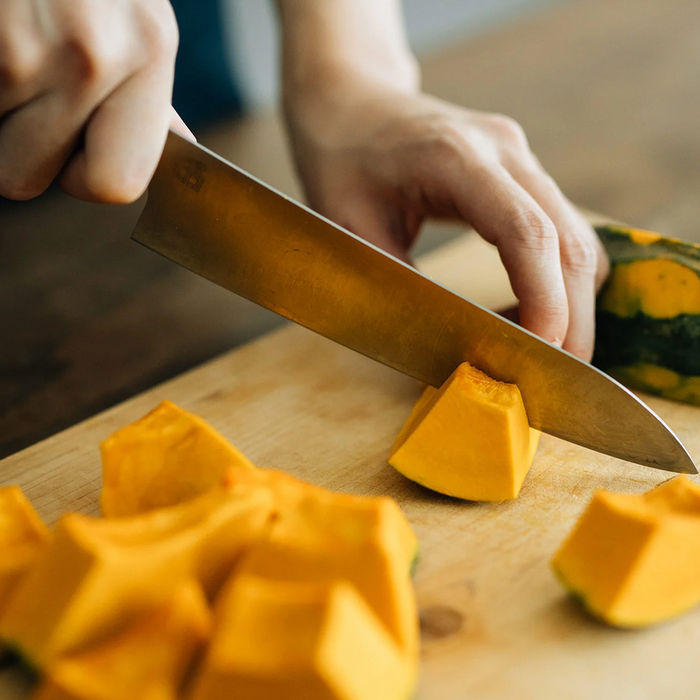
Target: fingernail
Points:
(558, 342)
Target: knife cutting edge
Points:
(229, 227)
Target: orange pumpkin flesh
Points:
(23, 536)
(299, 641)
(164, 458)
(98, 573)
(470, 438)
(635, 560)
(147, 660)
(366, 541)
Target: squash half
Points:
(648, 313)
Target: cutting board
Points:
(495, 623)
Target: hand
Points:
(85, 90)
(379, 162)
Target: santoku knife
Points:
(225, 225)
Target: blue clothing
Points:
(205, 89)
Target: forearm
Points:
(330, 45)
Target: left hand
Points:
(380, 162)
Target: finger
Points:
(375, 222)
(509, 217)
(579, 258)
(123, 141)
(24, 71)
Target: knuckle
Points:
(160, 32)
(94, 52)
(534, 230)
(20, 62)
(579, 256)
(446, 142)
(509, 130)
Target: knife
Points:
(229, 227)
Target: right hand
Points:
(85, 93)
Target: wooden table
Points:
(495, 623)
(606, 89)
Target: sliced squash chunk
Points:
(23, 537)
(97, 574)
(297, 641)
(635, 560)
(148, 659)
(470, 438)
(162, 459)
(366, 541)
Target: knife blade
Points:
(229, 227)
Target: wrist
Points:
(323, 100)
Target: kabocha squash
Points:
(162, 459)
(96, 574)
(635, 560)
(366, 541)
(147, 660)
(23, 537)
(299, 641)
(648, 313)
(470, 438)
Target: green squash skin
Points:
(11, 655)
(670, 343)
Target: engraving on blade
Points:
(245, 236)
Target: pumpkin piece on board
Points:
(294, 640)
(148, 659)
(291, 493)
(23, 537)
(470, 438)
(367, 541)
(97, 574)
(634, 560)
(648, 313)
(166, 457)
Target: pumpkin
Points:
(148, 659)
(470, 438)
(634, 560)
(23, 537)
(162, 459)
(647, 320)
(366, 541)
(279, 639)
(96, 574)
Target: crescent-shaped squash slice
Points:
(299, 641)
(166, 457)
(635, 560)
(470, 438)
(147, 660)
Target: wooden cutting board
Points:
(495, 622)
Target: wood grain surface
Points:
(495, 623)
(606, 90)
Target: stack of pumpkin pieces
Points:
(209, 578)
